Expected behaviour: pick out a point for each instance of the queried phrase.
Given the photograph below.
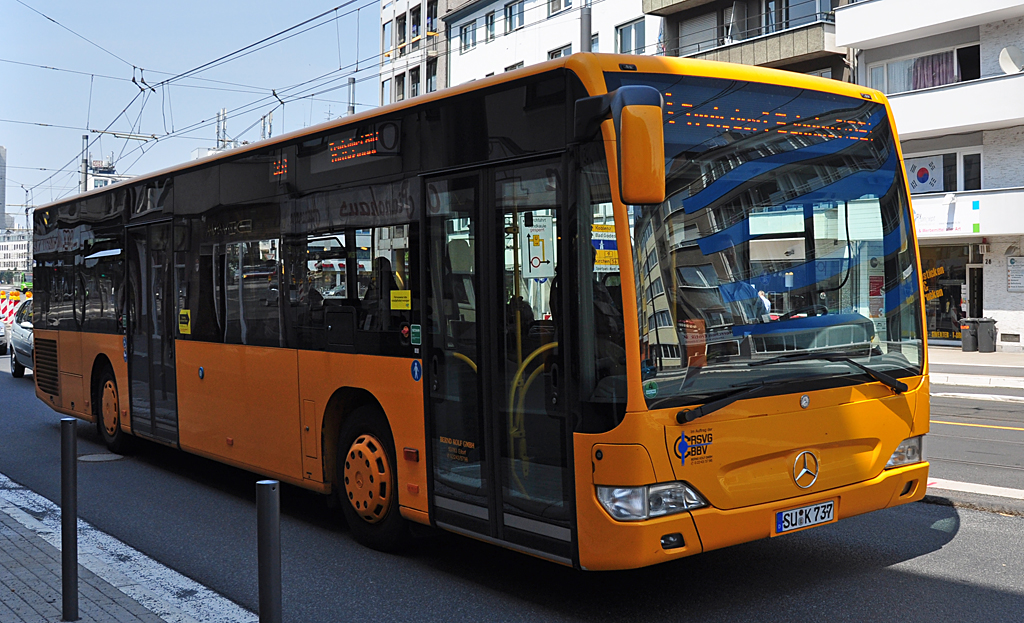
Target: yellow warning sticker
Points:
(185, 322)
(401, 299)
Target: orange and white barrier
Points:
(5, 305)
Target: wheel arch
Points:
(342, 402)
(98, 365)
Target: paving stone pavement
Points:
(30, 584)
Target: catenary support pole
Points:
(69, 518)
(268, 541)
(585, 34)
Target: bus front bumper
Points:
(607, 544)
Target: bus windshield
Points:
(785, 235)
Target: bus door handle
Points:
(435, 381)
(554, 384)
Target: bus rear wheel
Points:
(367, 481)
(107, 409)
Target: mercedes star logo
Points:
(805, 469)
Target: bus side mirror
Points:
(636, 112)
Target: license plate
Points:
(805, 516)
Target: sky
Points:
(155, 42)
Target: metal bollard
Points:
(268, 542)
(69, 517)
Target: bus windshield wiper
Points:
(896, 385)
(746, 391)
(724, 400)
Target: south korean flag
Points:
(924, 174)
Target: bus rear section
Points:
(780, 376)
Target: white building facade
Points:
(960, 117)
(413, 48)
(16, 253)
(488, 37)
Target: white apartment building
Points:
(413, 48)
(960, 117)
(16, 251)
(487, 37)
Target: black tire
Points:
(367, 476)
(17, 370)
(106, 406)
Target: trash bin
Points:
(986, 335)
(969, 335)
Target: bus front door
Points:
(151, 318)
(499, 435)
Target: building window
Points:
(821, 73)
(557, 6)
(518, 65)
(414, 82)
(631, 37)
(400, 34)
(513, 16)
(467, 37)
(929, 70)
(594, 43)
(949, 172)
(560, 52)
(489, 26)
(972, 171)
(399, 87)
(386, 41)
(432, 17)
(431, 75)
(385, 92)
(414, 28)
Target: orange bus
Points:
(606, 310)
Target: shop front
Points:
(952, 289)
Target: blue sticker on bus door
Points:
(417, 370)
(124, 343)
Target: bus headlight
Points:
(639, 503)
(909, 451)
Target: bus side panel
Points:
(112, 346)
(391, 382)
(69, 360)
(245, 408)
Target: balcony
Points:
(874, 23)
(803, 30)
(969, 213)
(776, 49)
(985, 104)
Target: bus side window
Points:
(252, 301)
(385, 283)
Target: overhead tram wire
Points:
(82, 37)
(254, 105)
(244, 51)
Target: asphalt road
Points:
(920, 562)
(977, 440)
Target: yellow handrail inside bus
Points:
(516, 421)
(468, 361)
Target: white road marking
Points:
(968, 487)
(966, 396)
(165, 592)
(976, 380)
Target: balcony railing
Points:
(751, 25)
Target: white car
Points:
(21, 339)
(3, 339)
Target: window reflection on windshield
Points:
(786, 230)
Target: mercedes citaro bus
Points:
(606, 310)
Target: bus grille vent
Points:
(46, 367)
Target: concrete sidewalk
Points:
(951, 366)
(30, 584)
(116, 582)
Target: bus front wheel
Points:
(107, 409)
(367, 480)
